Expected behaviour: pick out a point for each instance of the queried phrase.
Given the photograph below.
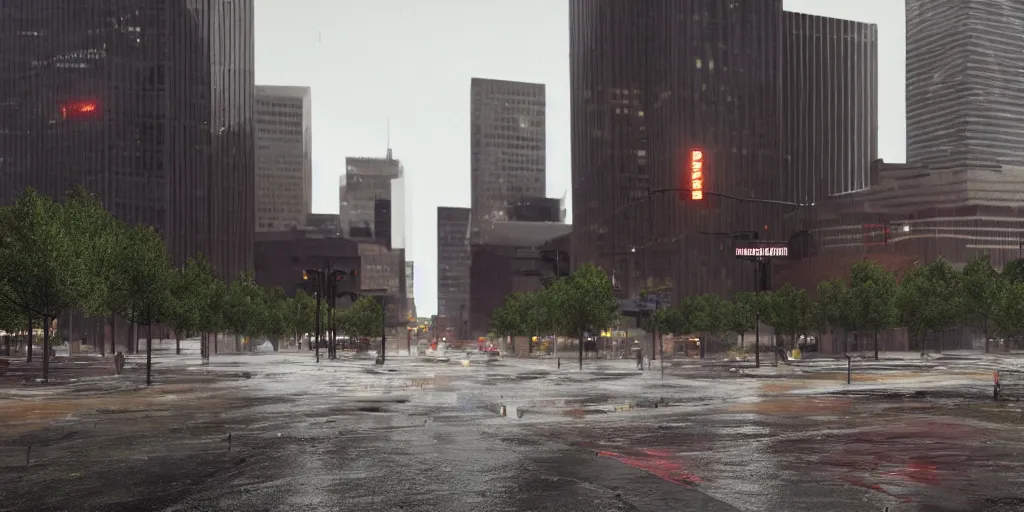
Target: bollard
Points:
(559, 363)
(229, 442)
(996, 388)
(502, 411)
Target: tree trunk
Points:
(215, 338)
(876, 344)
(28, 348)
(113, 334)
(7, 345)
(177, 344)
(984, 324)
(238, 342)
(582, 338)
(149, 354)
(46, 349)
(741, 340)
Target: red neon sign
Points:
(696, 174)
(79, 110)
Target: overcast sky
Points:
(412, 60)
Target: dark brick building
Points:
(755, 89)
(148, 104)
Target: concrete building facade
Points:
(152, 113)
(507, 146)
(453, 263)
(284, 157)
(367, 180)
(965, 91)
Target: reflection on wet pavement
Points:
(754, 444)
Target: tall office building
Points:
(148, 104)
(507, 145)
(284, 157)
(965, 90)
(774, 112)
(829, 106)
(645, 91)
(453, 259)
(367, 180)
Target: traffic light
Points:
(696, 174)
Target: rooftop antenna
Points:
(389, 157)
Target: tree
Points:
(982, 289)
(242, 308)
(1008, 313)
(276, 322)
(741, 314)
(583, 302)
(363, 319)
(834, 308)
(928, 299)
(94, 231)
(213, 319)
(1014, 271)
(708, 314)
(12, 320)
(791, 311)
(872, 292)
(302, 313)
(191, 288)
(41, 270)
(141, 288)
(515, 316)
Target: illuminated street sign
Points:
(763, 250)
(696, 174)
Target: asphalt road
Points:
(277, 432)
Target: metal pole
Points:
(757, 317)
(316, 336)
(383, 327)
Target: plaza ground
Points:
(280, 432)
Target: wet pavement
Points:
(279, 432)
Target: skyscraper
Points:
(651, 81)
(965, 90)
(453, 258)
(507, 143)
(780, 106)
(829, 107)
(148, 104)
(284, 157)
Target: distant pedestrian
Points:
(640, 359)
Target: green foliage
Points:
(982, 287)
(835, 308)
(789, 310)
(671, 321)
(275, 322)
(517, 316)
(928, 299)
(742, 313)
(94, 232)
(42, 271)
(244, 306)
(364, 319)
(872, 294)
(1008, 313)
(1013, 271)
(192, 288)
(301, 313)
(707, 313)
(141, 289)
(583, 302)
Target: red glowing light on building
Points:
(696, 174)
(79, 110)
